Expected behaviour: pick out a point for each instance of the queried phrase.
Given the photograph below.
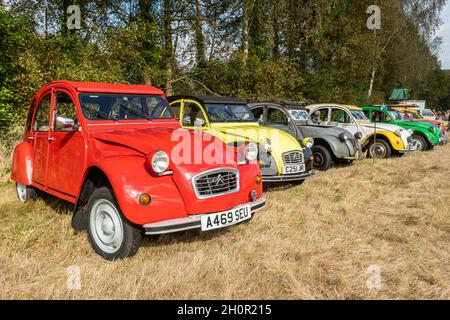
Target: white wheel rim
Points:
(378, 150)
(106, 226)
(21, 192)
(417, 144)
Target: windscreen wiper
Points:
(135, 112)
(99, 113)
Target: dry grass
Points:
(315, 241)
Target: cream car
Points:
(379, 140)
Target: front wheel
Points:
(322, 158)
(25, 193)
(380, 149)
(110, 234)
(419, 143)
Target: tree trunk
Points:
(245, 28)
(168, 47)
(200, 40)
(372, 81)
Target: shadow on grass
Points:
(59, 206)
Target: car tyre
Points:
(322, 158)
(111, 235)
(380, 149)
(419, 142)
(25, 193)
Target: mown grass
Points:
(314, 241)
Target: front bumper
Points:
(288, 178)
(190, 222)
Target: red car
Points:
(115, 152)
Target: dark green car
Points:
(425, 135)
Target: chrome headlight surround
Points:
(251, 151)
(308, 142)
(266, 145)
(160, 162)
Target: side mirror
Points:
(199, 123)
(65, 124)
(261, 120)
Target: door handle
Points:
(31, 137)
(51, 139)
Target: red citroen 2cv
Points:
(118, 153)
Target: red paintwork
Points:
(120, 150)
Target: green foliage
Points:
(312, 51)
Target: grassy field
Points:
(314, 241)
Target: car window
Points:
(124, 107)
(176, 108)
(299, 115)
(229, 113)
(340, 116)
(192, 113)
(30, 116)
(258, 113)
(276, 116)
(42, 118)
(320, 115)
(380, 117)
(64, 107)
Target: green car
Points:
(425, 135)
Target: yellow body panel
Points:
(282, 142)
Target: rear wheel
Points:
(110, 234)
(25, 193)
(380, 149)
(322, 158)
(419, 143)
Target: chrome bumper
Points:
(190, 222)
(288, 178)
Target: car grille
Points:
(216, 183)
(294, 157)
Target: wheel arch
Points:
(94, 178)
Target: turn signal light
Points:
(260, 163)
(311, 158)
(145, 199)
(258, 179)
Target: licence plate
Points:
(293, 169)
(226, 218)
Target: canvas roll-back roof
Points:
(97, 87)
(208, 99)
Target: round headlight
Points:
(251, 151)
(160, 162)
(308, 142)
(411, 131)
(343, 137)
(267, 145)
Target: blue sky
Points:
(444, 33)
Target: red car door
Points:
(40, 135)
(66, 146)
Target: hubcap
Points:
(378, 150)
(418, 145)
(21, 192)
(318, 160)
(106, 226)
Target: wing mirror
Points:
(261, 120)
(65, 124)
(199, 123)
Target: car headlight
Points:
(251, 151)
(343, 137)
(411, 131)
(308, 142)
(398, 132)
(267, 145)
(160, 162)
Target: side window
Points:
(320, 116)
(30, 116)
(380, 117)
(340, 116)
(64, 107)
(276, 116)
(192, 113)
(367, 113)
(42, 118)
(258, 113)
(176, 108)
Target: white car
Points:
(379, 140)
(427, 114)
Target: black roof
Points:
(285, 104)
(208, 99)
